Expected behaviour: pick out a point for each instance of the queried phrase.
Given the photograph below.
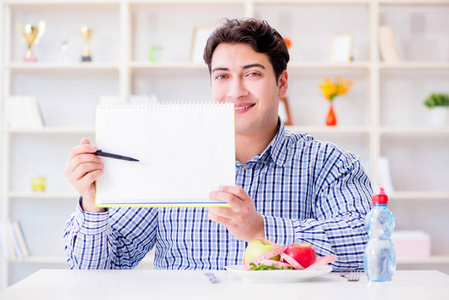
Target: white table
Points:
(152, 284)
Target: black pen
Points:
(112, 155)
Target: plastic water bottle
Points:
(380, 256)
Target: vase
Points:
(439, 116)
(331, 119)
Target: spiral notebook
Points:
(185, 151)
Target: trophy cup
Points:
(86, 33)
(31, 34)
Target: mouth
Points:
(242, 107)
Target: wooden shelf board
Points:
(435, 259)
(53, 130)
(416, 195)
(40, 260)
(50, 66)
(414, 65)
(295, 65)
(42, 195)
(57, 4)
(414, 130)
(168, 65)
(330, 130)
(148, 261)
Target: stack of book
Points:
(13, 245)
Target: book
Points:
(185, 151)
(20, 239)
(22, 112)
(4, 241)
(9, 238)
(14, 240)
(387, 45)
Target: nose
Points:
(237, 89)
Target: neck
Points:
(250, 145)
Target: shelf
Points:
(409, 195)
(147, 261)
(414, 130)
(44, 66)
(189, 2)
(295, 65)
(26, 4)
(436, 259)
(417, 195)
(330, 130)
(168, 65)
(412, 2)
(310, 2)
(52, 130)
(383, 112)
(414, 65)
(43, 195)
(40, 260)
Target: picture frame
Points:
(23, 112)
(284, 111)
(386, 44)
(341, 47)
(199, 40)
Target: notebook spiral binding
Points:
(167, 105)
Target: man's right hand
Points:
(82, 169)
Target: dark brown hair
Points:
(257, 34)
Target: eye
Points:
(253, 74)
(221, 77)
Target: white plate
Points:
(279, 275)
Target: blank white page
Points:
(185, 151)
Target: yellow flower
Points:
(332, 89)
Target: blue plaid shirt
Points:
(306, 190)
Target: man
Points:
(289, 187)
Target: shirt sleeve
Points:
(342, 199)
(116, 239)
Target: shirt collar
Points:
(276, 149)
(277, 146)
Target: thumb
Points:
(84, 141)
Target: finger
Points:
(84, 141)
(89, 178)
(231, 199)
(234, 190)
(217, 218)
(86, 168)
(81, 159)
(80, 149)
(223, 212)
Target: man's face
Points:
(246, 78)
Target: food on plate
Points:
(278, 266)
(265, 255)
(258, 248)
(303, 253)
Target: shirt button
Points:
(245, 167)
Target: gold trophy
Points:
(86, 33)
(32, 35)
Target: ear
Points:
(283, 84)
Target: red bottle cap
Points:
(379, 196)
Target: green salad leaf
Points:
(262, 267)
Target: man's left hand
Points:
(241, 219)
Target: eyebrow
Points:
(244, 67)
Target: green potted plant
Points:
(438, 103)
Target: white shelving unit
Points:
(382, 115)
